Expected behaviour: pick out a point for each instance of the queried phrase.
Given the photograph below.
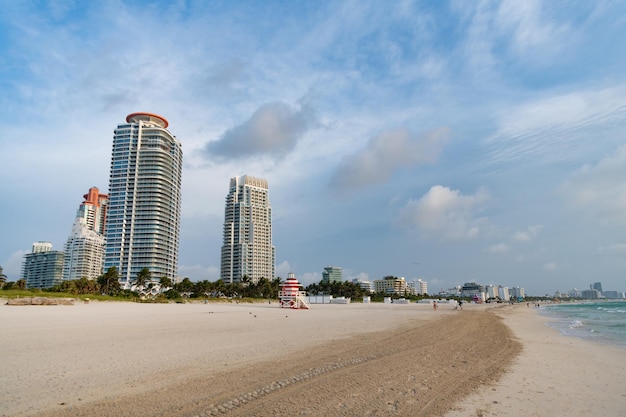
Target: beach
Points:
(554, 375)
(196, 359)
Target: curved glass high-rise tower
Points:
(143, 215)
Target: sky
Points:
(452, 141)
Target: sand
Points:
(555, 375)
(126, 359)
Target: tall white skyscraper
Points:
(84, 249)
(143, 215)
(247, 249)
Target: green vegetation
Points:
(107, 287)
(35, 292)
(337, 289)
(3, 278)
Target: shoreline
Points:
(555, 374)
(89, 358)
(583, 328)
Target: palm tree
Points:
(3, 278)
(220, 287)
(165, 282)
(276, 286)
(86, 286)
(244, 284)
(143, 277)
(203, 288)
(109, 281)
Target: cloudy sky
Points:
(451, 141)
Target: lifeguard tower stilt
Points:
(290, 294)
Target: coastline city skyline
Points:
(453, 143)
(142, 215)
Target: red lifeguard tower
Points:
(290, 294)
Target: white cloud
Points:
(309, 278)
(527, 235)
(499, 248)
(600, 188)
(274, 129)
(531, 31)
(363, 276)
(387, 152)
(614, 249)
(282, 269)
(446, 214)
(557, 127)
(12, 267)
(550, 266)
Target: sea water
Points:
(598, 321)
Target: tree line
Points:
(108, 284)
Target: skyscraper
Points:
(94, 210)
(247, 249)
(597, 286)
(143, 214)
(84, 249)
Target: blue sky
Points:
(449, 141)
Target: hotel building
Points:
(391, 285)
(421, 287)
(143, 215)
(331, 274)
(247, 249)
(84, 249)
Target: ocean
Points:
(598, 321)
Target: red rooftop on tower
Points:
(148, 117)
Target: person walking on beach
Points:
(434, 305)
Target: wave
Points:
(576, 324)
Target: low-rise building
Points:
(364, 284)
(391, 285)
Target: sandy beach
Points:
(126, 359)
(554, 375)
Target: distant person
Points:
(461, 304)
(435, 305)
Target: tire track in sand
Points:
(420, 371)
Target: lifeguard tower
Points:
(290, 294)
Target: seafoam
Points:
(598, 321)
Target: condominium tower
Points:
(247, 249)
(84, 249)
(94, 210)
(43, 267)
(143, 214)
